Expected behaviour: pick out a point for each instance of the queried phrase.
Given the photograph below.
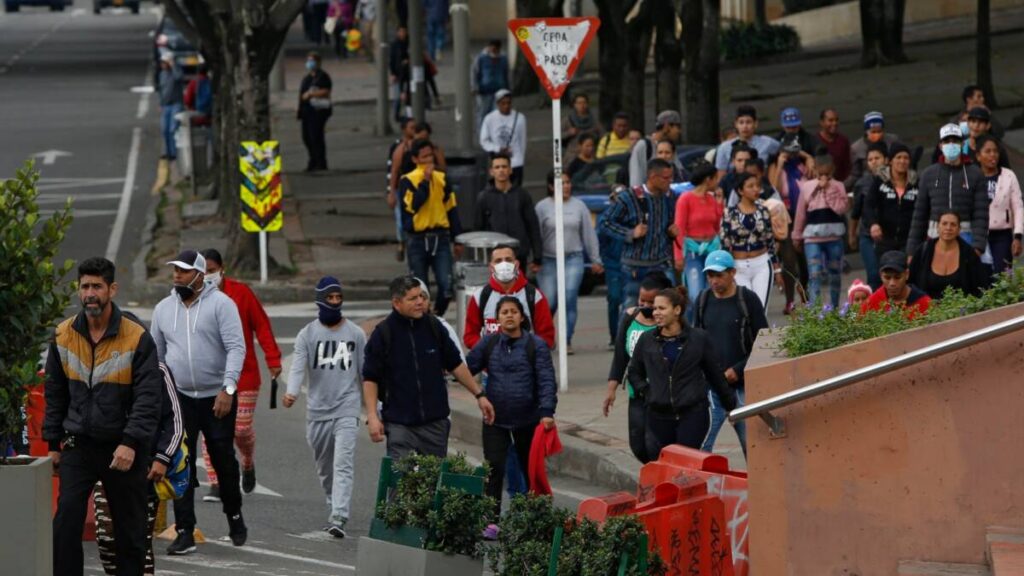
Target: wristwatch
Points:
(481, 394)
(231, 389)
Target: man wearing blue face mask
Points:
(951, 184)
(314, 110)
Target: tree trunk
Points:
(892, 31)
(611, 56)
(702, 64)
(760, 13)
(668, 56)
(871, 32)
(984, 53)
(638, 48)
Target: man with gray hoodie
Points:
(329, 350)
(198, 335)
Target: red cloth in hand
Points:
(545, 443)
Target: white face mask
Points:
(505, 271)
(213, 278)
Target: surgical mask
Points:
(647, 312)
(505, 271)
(951, 150)
(213, 278)
(310, 65)
(329, 315)
(965, 130)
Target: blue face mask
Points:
(951, 150)
(310, 65)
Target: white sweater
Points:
(505, 131)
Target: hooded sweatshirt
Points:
(332, 358)
(944, 187)
(201, 344)
(481, 317)
(894, 213)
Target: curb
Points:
(613, 469)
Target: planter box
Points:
(25, 495)
(380, 558)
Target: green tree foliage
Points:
(32, 296)
(743, 40)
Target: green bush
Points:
(32, 296)
(744, 40)
(817, 329)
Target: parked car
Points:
(55, 5)
(132, 5)
(168, 38)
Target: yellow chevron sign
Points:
(260, 165)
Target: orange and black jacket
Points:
(110, 391)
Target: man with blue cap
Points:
(792, 123)
(732, 316)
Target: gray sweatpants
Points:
(334, 451)
(429, 439)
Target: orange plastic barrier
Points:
(678, 464)
(35, 412)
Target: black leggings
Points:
(689, 427)
(638, 429)
(496, 441)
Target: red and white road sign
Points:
(554, 47)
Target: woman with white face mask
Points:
(579, 236)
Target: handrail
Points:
(764, 408)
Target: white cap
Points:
(950, 131)
(501, 94)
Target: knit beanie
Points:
(873, 118)
(858, 286)
(897, 147)
(327, 285)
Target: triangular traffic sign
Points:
(554, 47)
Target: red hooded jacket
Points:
(254, 319)
(543, 325)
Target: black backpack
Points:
(747, 335)
(385, 335)
(531, 301)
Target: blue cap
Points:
(791, 118)
(719, 261)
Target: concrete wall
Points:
(842, 21)
(913, 465)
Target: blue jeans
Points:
(399, 232)
(432, 250)
(548, 280)
(634, 275)
(168, 126)
(613, 282)
(515, 483)
(824, 268)
(718, 417)
(870, 258)
(435, 37)
(693, 275)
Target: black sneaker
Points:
(183, 544)
(237, 530)
(335, 530)
(249, 480)
(213, 495)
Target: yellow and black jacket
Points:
(428, 205)
(110, 391)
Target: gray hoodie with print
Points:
(202, 344)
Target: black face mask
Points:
(186, 292)
(647, 312)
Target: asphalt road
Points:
(66, 82)
(286, 512)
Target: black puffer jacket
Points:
(883, 206)
(510, 213)
(959, 188)
(684, 384)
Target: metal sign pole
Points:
(563, 331)
(263, 256)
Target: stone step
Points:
(1005, 550)
(918, 568)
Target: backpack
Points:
(531, 301)
(204, 97)
(746, 332)
(385, 334)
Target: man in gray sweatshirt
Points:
(198, 335)
(329, 350)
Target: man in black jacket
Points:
(102, 411)
(507, 208)
(405, 363)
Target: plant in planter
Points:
(32, 297)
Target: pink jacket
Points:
(1007, 208)
(819, 213)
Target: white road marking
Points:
(65, 183)
(17, 55)
(315, 536)
(61, 198)
(80, 213)
(50, 156)
(283, 555)
(126, 196)
(260, 489)
(147, 89)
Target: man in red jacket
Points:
(506, 280)
(896, 291)
(254, 321)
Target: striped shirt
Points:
(640, 206)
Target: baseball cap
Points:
(190, 260)
(791, 118)
(894, 260)
(873, 118)
(719, 261)
(501, 94)
(666, 117)
(950, 131)
(979, 113)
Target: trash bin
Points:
(468, 174)
(472, 273)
